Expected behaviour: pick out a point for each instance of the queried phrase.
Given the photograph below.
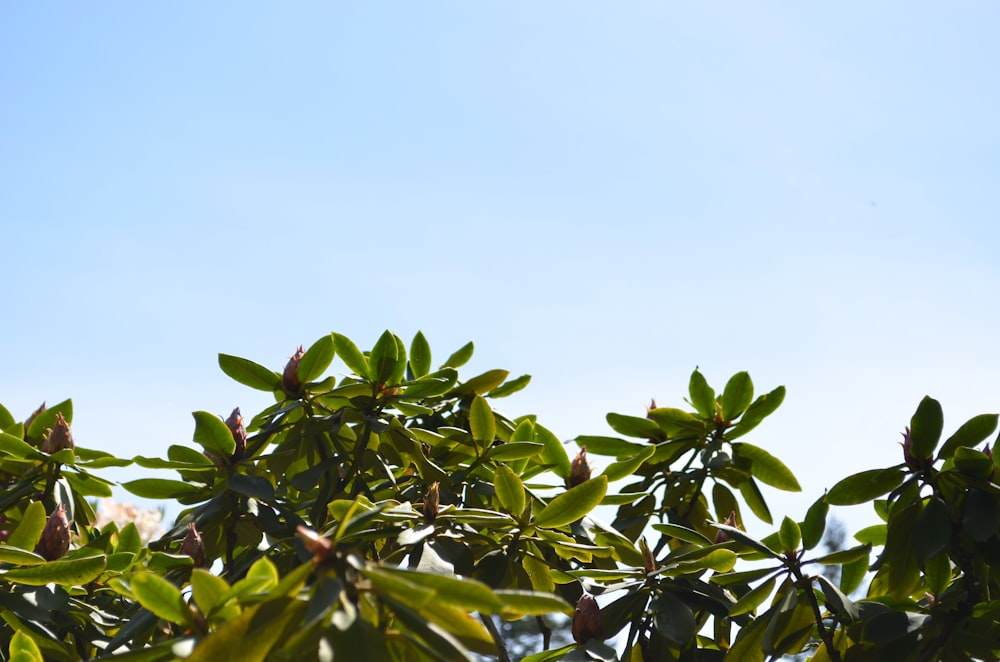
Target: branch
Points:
(491, 627)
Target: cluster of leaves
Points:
(393, 513)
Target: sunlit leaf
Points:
(250, 374)
(573, 504)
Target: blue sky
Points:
(603, 196)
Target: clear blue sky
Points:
(604, 195)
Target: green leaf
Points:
(6, 419)
(740, 536)
(213, 434)
(517, 450)
(383, 358)
(719, 560)
(737, 395)
(789, 535)
(767, 468)
(509, 490)
(464, 593)
(73, 572)
(573, 504)
(257, 487)
(633, 426)
(702, 395)
(420, 355)
(47, 419)
(24, 649)
(925, 428)
(872, 535)
(933, 529)
(864, 486)
(619, 470)
(483, 383)
(252, 635)
(316, 359)
(972, 432)
(481, 421)
(460, 357)
(761, 408)
(250, 374)
(937, 572)
(755, 500)
(19, 556)
(510, 387)
(675, 422)
(29, 529)
(160, 597)
(836, 601)
(981, 517)
(554, 453)
(752, 599)
(852, 574)
(387, 583)
(264, 573)
(673, 619)
(15, 447)
(206, 589)
(529, 603)
(351, 355)
(160, 488)
(845, 556)
(815, 523)
(682, 533)
(613, 446)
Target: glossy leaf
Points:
(316, 359)
(160, 597)
(766, 468)
(753, 598)
(352, 357)
(925, 427)
(72, 572)
(509, 490)
(252, 635)
(737, 396)
(213, 434)
(619, 470)
(573, 504)
(864, 486)
(633, 426)
(933, 529)
(702, 395)
(420, 355)
(755, 500)
(554, 453)
(517, 450)
(973, 432)
(24, 649)
(383, 358)
(481, 421)
(789, 534)
(516, 603)
(467, 594)
(250, 374)
(673, 619)
(815, 523)
(29, 529)
(510, 387)
(760, 409)
(460, 357)
(837, 601)
(160, 488)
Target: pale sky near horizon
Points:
(601, 195)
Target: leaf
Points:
(510, 387)
(752, 599)
(845, 556)
(483, 383)
(682, 533)
(250, 374)
(351, 356)
(19, 556)
(47, 419)
(316, 359)
(73, 572)
(836, 601)
(702, 395)
(206, 589)
(252, 635)
(815, 523)
(257, 487)
(789, 534)
(619, 470)
(15, 447)
(554, 453)
(383, 358)
(755, 500)
(767, 468)
(509, 489)
(853, 574)
(740, 536)
(613, 446)
(481, 421)
(633, 426)
(420, 355)
(737, 395)
(673, 619)
(160, 597)
(213, 434)
(516, 604)
(29, 529)
(573, 504)
(933, 529)
(517, 450)
(6, 419)
(24, 649)
(925, 428)
(674, 422)
(864, 486)
(464, 593)
(973, 431)
(160, 488)
(761, 408)
(460, 357)
(981, 517)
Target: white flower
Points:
(146, 521)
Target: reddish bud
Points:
(579, 469)
(586, 619)
(54, 542)
(721, 536)
(193, 546)
(34, 415)
(648, 560)
(235, 425)
(651, 406)
(987, 451)
(907, 445)
(59, 437)
(314, 543)
(290, 377)
(432, 501)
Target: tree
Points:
(394, 513)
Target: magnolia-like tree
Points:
(395, 515)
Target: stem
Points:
(546, 632)
(806, 585)
(491, 627)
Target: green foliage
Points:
(395, 513)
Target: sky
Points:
(603, 195)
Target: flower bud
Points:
(648, 560)
(431, 502)
(193, 546)
(54, 542)
(235, 425)
(290, 377)
(34, 415)
(907, 444)
(586, 619)
(579, 470)
(59, 437)
(651, 406)
(315, 544)
(721, 536)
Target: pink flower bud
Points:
(586, 619)
(59, 437)
(315, 544)
(54, 542)
(33, 416)
(193, 546)
(290, 377)
(579, 469)
(235, 424)
(648, 560)
(721, 536)
(432, 501)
